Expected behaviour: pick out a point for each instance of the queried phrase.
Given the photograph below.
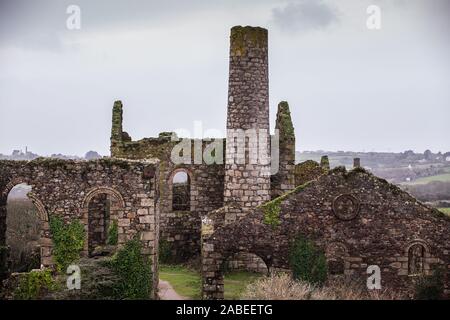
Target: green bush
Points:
(34, 284)
(308, 263)
(165, 252)
(68, 240)
(430, 287)
(113, 234)
(134, 272)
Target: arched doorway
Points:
(24, 229)
(102, 208)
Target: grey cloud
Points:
(41, 25)
(305, 15)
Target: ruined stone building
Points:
(235, 212)
(358, 219)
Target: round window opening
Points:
(346, 207)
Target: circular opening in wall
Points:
(346, 207)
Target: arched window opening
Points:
(102, 219)
(181, 192)
(416, 259)
(23, 230)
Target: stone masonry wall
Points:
(65, 188)
(355, 217)
(181, 229)
(284, 180)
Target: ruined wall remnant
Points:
(325, 163)
(75, 189)
(355, 217)
(180, 229)
(284, 180)
(307, 171)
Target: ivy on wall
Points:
(134, 272)
(34, 284)
(68, 240)
(113, 234)
(308, 263)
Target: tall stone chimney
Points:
(247, 182)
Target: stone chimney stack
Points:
(356, 162)
(247, 182)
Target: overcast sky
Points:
(349, 88)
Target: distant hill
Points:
(27, 155)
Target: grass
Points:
(440, 177)
(236, 283)
(187, 282)
(445, 210)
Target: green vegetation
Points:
(187, 282)
(165, 253)
(236, 282)
(272, 211)
(113, 234)
(445, 211)
(272, 208)
(134, 272)
(34, 284)
(430, 287)
(284, 120)
(308, 263)
(68, 240)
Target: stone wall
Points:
(284, 180)
(65, 188)
(355, 217)
(181, 229)
(307, 171)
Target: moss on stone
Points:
(325, 163)
(284, 121)
(243, 37)
(121, 163)
(272, 209)
(50, 163)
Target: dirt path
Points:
(166, 292)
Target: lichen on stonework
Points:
(242, 37)
(272, 211)
(284, 121)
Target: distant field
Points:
(445, 210)
(441, 177)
